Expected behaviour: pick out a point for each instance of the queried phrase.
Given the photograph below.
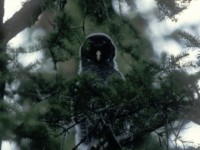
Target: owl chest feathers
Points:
(104, 71)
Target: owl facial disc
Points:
(98, 55)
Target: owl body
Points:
(97, 56)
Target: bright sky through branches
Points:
(156, 31)
(12, 6)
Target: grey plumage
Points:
(97, 56)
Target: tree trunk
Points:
(18, 22)
(2, 60)
(24, 18)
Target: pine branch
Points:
(188, 39)
(175, 60)
(64, 130)
(171, 8)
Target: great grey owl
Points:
(97, 55)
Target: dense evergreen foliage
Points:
(37, 107)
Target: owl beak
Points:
(98, 55)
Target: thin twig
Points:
(84, 17)
(67, 129)
(110, 135)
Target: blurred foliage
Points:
(171, 8)
(188, 39)
(91, 17)
(46, 108)
(38, 112)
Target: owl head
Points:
(97, 52)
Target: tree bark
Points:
(22, 19)
(2, 63)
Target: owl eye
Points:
(108, 59)
(104, 42)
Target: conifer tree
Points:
(150, 100)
